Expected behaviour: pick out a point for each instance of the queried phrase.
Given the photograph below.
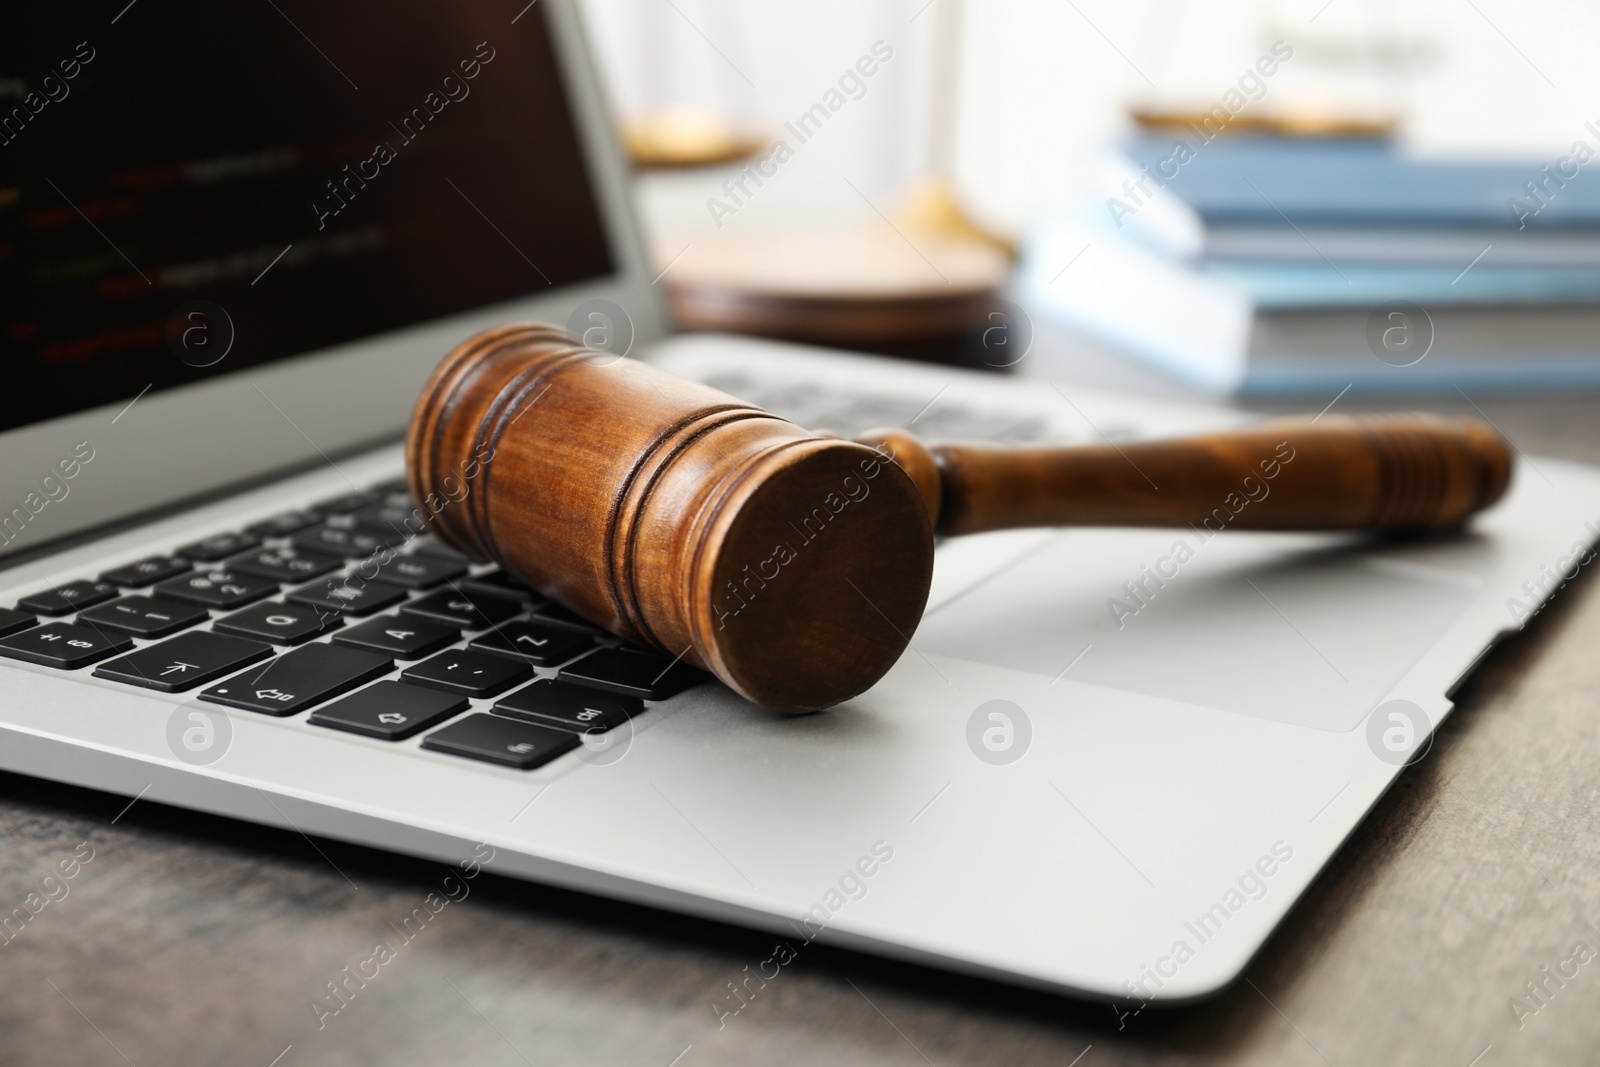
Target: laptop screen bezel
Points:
(194, 441)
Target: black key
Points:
(219, 588)
(144, 616)
(401, 636)
(472, 674)
(440, 550)
(284, 525)
(296, 680)
(504, 741)
(420, 573)
(184, 662)
(498, 583)
(145, 572)
(397, 498)
(284, 564)
(468, 611)
(345, 542)
(349, 595)
(564, 618)
(60, 644)
(218, 546)
(393, 486)
(635, 674)
(341, 522)
(539, 645)
(343, 504)
(569, 707)
(67, 598)
(404, 519)
(390, 711)
(12, 621)
(281, 624)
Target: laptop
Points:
(232, 250)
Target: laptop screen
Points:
(190, 189)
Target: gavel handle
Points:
(1396, 472)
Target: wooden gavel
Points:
(794, 565)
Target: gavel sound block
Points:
(795, 566)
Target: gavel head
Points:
(793, 566)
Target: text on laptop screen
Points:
(180, 181)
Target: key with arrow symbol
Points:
(184, 661)
(296, 680)
(389, 711)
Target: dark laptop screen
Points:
(179, 179)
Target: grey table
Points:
(193, 940)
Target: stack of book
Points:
(1320, 263)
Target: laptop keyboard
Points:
(851, 414)
(291, 616)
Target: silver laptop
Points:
(1109, 765)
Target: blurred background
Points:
(1258, 198)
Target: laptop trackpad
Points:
(1303, 628)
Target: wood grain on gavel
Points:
(796, 565)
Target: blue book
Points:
(1277, 306)
(1276, 286)
(1244, 180)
